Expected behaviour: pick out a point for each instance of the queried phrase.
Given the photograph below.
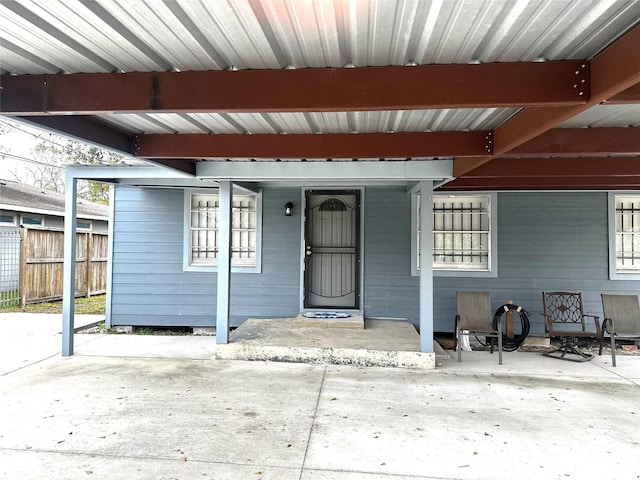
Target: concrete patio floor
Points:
(161, 407)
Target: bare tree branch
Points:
(52, 159)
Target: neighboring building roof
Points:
(30, 199)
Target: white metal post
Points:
(426, 266)
(110, 237)
(224, 261)
(69, 266)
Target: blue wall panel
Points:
(389, 291)
(150, 286)
(546, 241)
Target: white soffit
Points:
(361, 171)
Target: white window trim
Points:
(611, 217)
(12, 223)
(186, 244)
(84, 229)
(493, 239)
(41, 224)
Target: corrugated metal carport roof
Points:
(61, 39)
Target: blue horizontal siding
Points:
(150, 286)
(546, 241)
(389, 289)
(161, 320)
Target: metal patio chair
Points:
(474, 317)
(564, 317)
(621, 320)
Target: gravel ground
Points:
(590, 347)
(100, 328)
(586, 346)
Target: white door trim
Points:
(303, 203)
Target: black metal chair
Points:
(474, 317)
(564, 317)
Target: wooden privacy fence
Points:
(41, 264)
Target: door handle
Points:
(308, 251)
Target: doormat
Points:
(325, 319)
(326, 315)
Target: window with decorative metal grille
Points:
(203, 232)
(463, 234)
(627, 233)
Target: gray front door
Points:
(332, 256)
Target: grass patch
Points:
(143, 331)
(9, 299)
(162, 331)
(94, 305)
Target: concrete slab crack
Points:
(313, 421)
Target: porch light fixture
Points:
(288, 209)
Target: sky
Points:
(18, 143)
(16, 149)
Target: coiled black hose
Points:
(510, 344)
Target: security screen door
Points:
(332, 256)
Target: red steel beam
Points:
(629, 96)
(330, 89)
(84, 128)
(526, 125)
(552, 173)
(559, 167)
(186, 165)
(543, 183)
(362, 145)
(583, 141)
(611, 72)
(88, 130)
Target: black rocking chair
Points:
(564, 317)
